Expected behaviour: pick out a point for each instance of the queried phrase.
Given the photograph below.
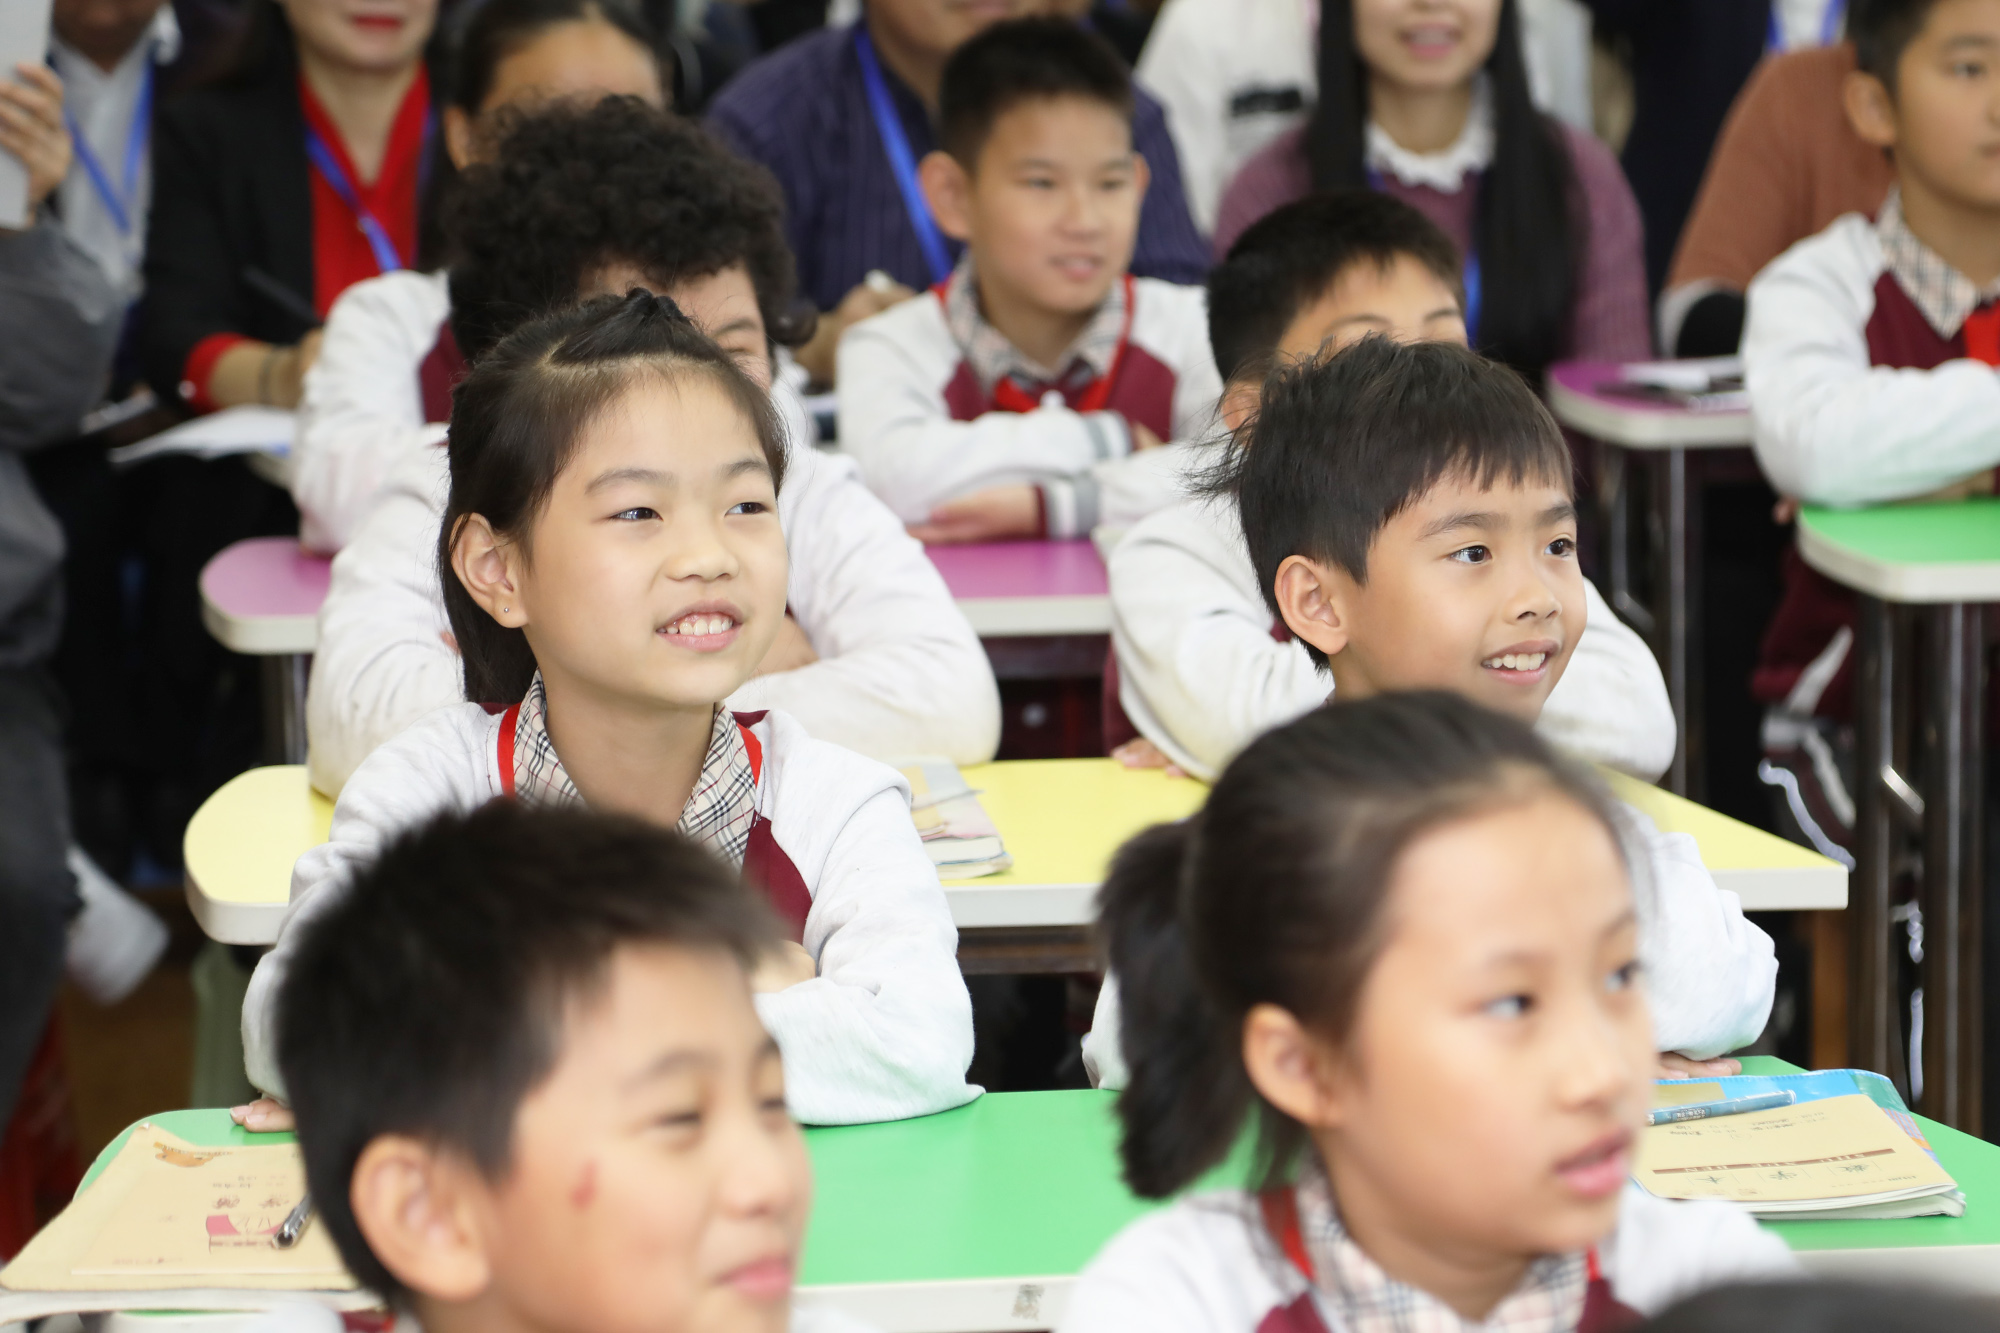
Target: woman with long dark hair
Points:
(1428, 100)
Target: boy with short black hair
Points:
(531, 1088)
(1409, 516)
(1009, 401)
(1200, 670)
(1870, 349)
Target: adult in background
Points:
(1429, 102)
(841, 117)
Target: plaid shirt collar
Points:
(1941, 292)
(719, 811)
(1365, 1299)
(993, 358)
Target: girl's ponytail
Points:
(1188, 1092)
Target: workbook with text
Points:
(957, 832)
(1847, 1147)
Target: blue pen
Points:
(1763, 1101)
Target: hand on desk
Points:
(996, 514)
(784, 967)
(1673, 1065)
(1142, 753)
(789, 651)
(266, 1115)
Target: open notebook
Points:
(1846, 1148)
(958, 834)
(166, 1216)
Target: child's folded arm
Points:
(901, 671)
(1199, 673)
(1829, 428)
(895, 423)
(383, 660)
(1665, 1249)
(1711, 973)
(1611, 705)
(885, 1031)
(362, 412)
(422, 772)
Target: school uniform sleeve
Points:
(1103, 1046)
(363, 407)
(1140, 485)
(885, 1030)
(383, 660)
(894, 421)
(1201, 1265)
(1199, 672)
(1611, 705)
(1710, 972)
(901, 671)
(1610, 316)
(1831, 428)
(1665, 1250)
(445, 763)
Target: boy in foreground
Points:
(531, 1090)
(1012, 400)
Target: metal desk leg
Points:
(1952, 882)
(1677, 613)
(284, 688)
(1871, 996)
(1616, 500)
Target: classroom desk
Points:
(261, 597)
(981, 1218)
(1062, 820)
(1919, 569)
(1018, 589)
(1666, 433)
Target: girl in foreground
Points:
(1405, 933)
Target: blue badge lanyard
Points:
(1829, 26)
(387, 258)
(1471, 273)
(119, 203)
(896, 143)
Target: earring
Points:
(505, 610)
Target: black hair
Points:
(1882, 30)
(1290, 258)
(575, 187)
(1022, 60)
(1527, 230)
(1273, 893)
(1342, 444)
(1826, 1307)
(516, 420)
(430, 999)
(497, 29)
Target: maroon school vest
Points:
(1602, 1310)
(439, 373)
(1813, 607)
(765, 863)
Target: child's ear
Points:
(1310, 602)
(948, 188)
(1239, 403)
(419, 1211)
(1297, 1072)
(1870, 109)
(1142, 174)
(488, 568)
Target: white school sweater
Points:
(900, 671)
(1207, 1264)
(885, 1030)
(1835, 424)
(1201, 677)
(897, 373)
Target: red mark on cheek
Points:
(585, 1189)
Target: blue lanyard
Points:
(120, 204)
(896, 144)
(387, 258)
(1470, 275)
(1829, 26)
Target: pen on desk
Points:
(1763, 1101)
(294, 1224)
(281, 296)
